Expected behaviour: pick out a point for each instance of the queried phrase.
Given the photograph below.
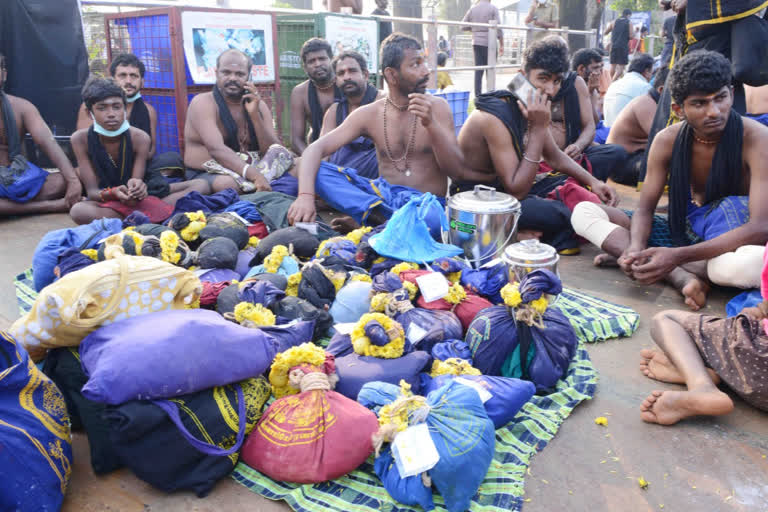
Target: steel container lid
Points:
(530, 252)
(484, 200)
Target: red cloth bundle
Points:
(258, 229)
(210, 293)
(153, 207)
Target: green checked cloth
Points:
(533, 427)
(594, 319)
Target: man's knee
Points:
(82, 212)
(740, 268)
(53, 188)
(200, 186)
(590, 221)
(223, 183)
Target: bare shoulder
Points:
(483, 122)
(300, 90)
(79, 137)
(152, 110)
(755, 133)
(201, 101)
(581, 85)
(664, 142)
(139, 136)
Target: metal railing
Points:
(430, 23)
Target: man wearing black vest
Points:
(352, 78)
(229, 137)
(620, 30)
(311, 98)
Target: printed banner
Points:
(352, 33)
(207, 34)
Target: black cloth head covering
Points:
(140, 117)
(9, 124)
(316, 112)
(230, 126)
(316, 287)
(571, 108)
(227, 226)
(342, 110)
(725, 175)
(111, 174)
(217, 252)
(305, 244)
(293, 308)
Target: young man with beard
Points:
(588, 64)
(505, 141)
(311, 98)
(415, 146)
(718, 216)
(24, 187)
(112, 158)
(352, 78)
(229, 133)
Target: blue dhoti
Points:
(21, 181)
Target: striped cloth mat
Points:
(593, 319)
(533, 427)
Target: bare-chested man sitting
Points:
(112, 158)
(718, 182)
(630, 129)
(24, 187)
(311, 98)
(229, 137)
(415, 145)
(505, 141)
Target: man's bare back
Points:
(474, 146)
(630, 130)
(18, 105)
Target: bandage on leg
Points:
(590, 221)
(740, 268)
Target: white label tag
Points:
(344, 328)
(485, 395)
(238, 217)
(416, 333)
(310, 227)
(414, 451)
(433, 286)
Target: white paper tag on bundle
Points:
(485, 395)
(310, 227)
(238, 217)
(433, 286)
(414, 451)
(415, 333)
(344, 328)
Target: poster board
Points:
(352, 33)
(208, 34)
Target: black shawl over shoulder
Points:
(111, 174)
(9, 124)
(140, 117)
(503, 105)
(342, 110)
(655, 95)
(316, 112)
(725, 176)
(230, 126)
(571, 108)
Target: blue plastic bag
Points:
(509, 395)
(406, 236)
(35, 439)
(171, 353)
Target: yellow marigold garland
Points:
(255, 313)
(91, 253)
(337, 278)
(197, 222)
(456, 294)
(306, 353)
(293, 284)
(454, 277)
(275, 259)
(396, 414)
(169, 243)
(253, 241)
(357, 235)
(363, 346)
(540, 305)
(404, 266)
(138, 240)
(379, 302)
(453, 366)
(412, 289)
(510, 293)
(363, 278)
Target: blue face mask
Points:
(110, 133)
(133, 98)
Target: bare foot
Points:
(669, 407)
(693, 288)
(657, 366)
(344, 224)
(605, 260)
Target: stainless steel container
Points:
(524, 257)
(483, 222)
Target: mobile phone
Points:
(521, 87)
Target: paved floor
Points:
(700, 465)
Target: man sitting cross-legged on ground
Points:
(505, 141)
(630, 130)
(699, 351)
(24, 187)
(718, 182)
(128, 71)
(229, 136)
(415, 145)
(351, 72)
(112, 158)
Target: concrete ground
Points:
(700, 465)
